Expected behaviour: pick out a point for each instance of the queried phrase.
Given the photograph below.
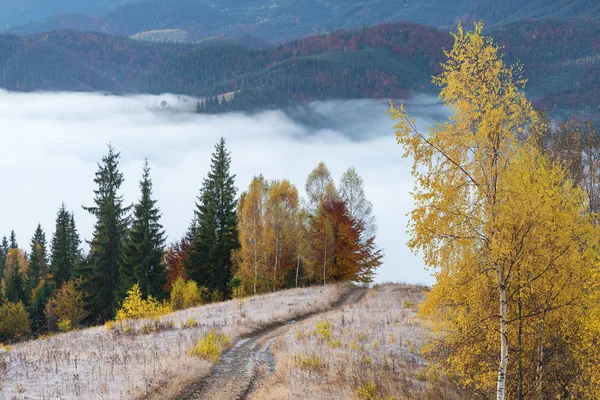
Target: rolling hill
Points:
(282, 20)
(391, 60)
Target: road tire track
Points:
(239, 370)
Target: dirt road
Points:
(242, 367)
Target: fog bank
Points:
(52, 142)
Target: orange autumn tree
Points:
(175, 259)
(506, 233)
(337, 251)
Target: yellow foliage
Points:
(323, 330)
(312, 363)
(504, 230)
(367, 391)
(64, 325)
(210, 347)
(135, 307)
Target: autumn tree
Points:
(107, 253)
(145, 245)
(175, 260)
(281, 213)
(251, 223)
(352, 191)
(316, 185)
(66, 305)
(504, 230)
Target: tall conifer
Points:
(65, 247)
(216, 236)
(107, 252)
(146, 245)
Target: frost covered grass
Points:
(368, 350)
(101, 363)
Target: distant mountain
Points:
(281, 20)
(20, 12)
(394, 60)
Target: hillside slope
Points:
(384, 61)
(282, 20)
(98, 363)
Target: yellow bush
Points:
(313, 363)
(186, 294)
(191, 295)
(14, 321)
(64, 325)
(135, 307)
(323, 330)
(65, 304)
(210, 347)
(366, 392)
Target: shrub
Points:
(177, 294)
(210, 347)
(14, 321)
(191, 295)
(186, 294)
(323, 330)
(313, 363)
(366, 392)
(66, 304)
(64, 325)
(135, 307)
(216, 296)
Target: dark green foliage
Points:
(15, 287)
(209, 261)
(107, 256)
(146, 245)
(3, 252)
(38, 266)
(39, 298)
(13, 240)
(65, 247)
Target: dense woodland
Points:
(385, 61)
(265, 240)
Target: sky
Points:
(51, 144)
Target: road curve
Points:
(240, 368)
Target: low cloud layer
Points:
(51, 144)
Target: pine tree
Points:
(65, 247)
(37, 259)
(146, 246)
(107, 252)
(3, 253)
(13, 240)
(14, 273)
(210, 261)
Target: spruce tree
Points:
(38, 266)
(3, 253)
(107, 252)
(146, 245)
(209, 260)
(65, 247)
(13, 240)
(14, 282)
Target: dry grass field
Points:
(99, 364)
(368, 350)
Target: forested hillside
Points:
(383, 61)
(277, 20)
